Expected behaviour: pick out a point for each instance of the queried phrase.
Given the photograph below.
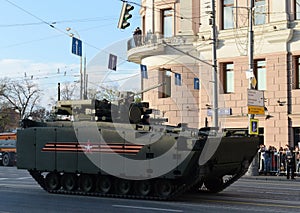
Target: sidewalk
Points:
(271, 178)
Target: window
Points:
(297, 9)
(228, 77)
(259, 12)
(167, 23)
(227, 16)
(296, 136)
(260, 74)
(297, 72)
(165, 90)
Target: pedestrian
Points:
(268, 160)
(281, 159)
(262, 158)
(137, 36)
(290, 163)
(297, 158)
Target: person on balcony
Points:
(137, 36)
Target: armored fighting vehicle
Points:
(100, 148)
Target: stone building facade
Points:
(177, 50)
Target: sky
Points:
(36, 45)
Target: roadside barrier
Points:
(274, 163)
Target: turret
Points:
(123, 110)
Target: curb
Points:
(271, 178)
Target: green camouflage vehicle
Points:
(100, 148)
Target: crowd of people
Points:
(284, 161)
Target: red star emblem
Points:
(88, 147)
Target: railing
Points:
(274, 163)
(153, 39)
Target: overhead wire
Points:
(178, 15)
(169, 61)
(95, 19)
(52, 25)
(36, 17)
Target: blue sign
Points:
(178, 79)
(112, 62)
(253, 127)
(196, 83)
(144, 71)
(76, 46)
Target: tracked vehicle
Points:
(100, 148)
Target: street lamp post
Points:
(80, 69)
(215, 68)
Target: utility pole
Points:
(84, 80)
(250, 37)
(253, 168)
(81, 79)
(215, 115)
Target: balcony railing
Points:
(153, 39)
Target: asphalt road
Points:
(19, 193)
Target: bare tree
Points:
(40, 113)
(23, 96)
(109, 94)
(68, 91)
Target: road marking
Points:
(20, 178)
(254, 204)
(3, 178)
(147, 208)
(264, 192)
(24, 178)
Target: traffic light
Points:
(125, 15)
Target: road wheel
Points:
(69, 181)
(87, 183)
(5, 160)
(123, 186)
(53, 181)
(164, 188)
(214, 184)
(197, 187)
(143, 187)
(104, 184)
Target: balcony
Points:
(140, 47)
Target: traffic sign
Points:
(76, 46)
(144, 71)
(255, 98)
(253, 127)
(256, 110)
(221, 112)
(177, 79)
(196, 83)
(112, 62)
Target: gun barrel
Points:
(150, 88)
